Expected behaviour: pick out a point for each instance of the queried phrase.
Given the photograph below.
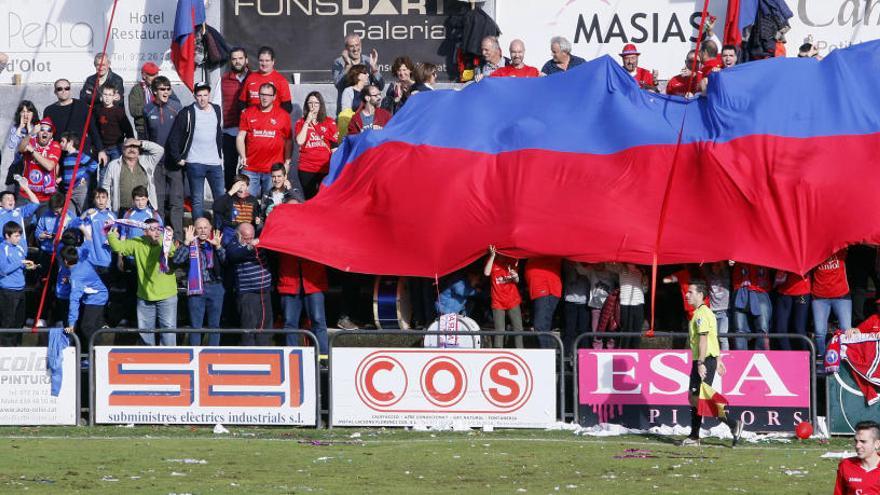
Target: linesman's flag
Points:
(190, 13)
(711, 403)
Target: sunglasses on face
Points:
(45, 128)
(267, 95)
(62, 88)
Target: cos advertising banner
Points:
(664, 30)
(308, 35)
(25, 388)
(465, 387)
(205, 385)
(767, 390)
(46, 41)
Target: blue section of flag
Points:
(189, 14)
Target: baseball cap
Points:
(150, 69)
(629, 49)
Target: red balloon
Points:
(803, 430)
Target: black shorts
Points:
(711, 363)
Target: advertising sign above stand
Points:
(639, 388)
(25, 388)
(205, 385)
(444, 388)
(46, 41)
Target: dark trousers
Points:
(311, 181)
(11, 316)
(255, 312)
(542, 319)
(631, 320)
(577, 321)
(694, 389)
(169, 195)
(790, 316)
(91, 318)
(230, 160)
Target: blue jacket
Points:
(101, 254)
(11, 267)
(454, 297)
(88, 167)
(48, 222)
(19, 215)
(86, 287)
(140, 215)
(159, 120)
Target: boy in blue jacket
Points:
(88, 294)
(13, 263)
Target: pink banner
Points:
(660, 377)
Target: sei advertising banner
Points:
(205, 385)
(768, 390)
(463, 387)
(46, 41)
(25, 388)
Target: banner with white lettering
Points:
(26, 388)
(664, 30)
(205, 385)
(46, 41)
(641, 388)
(308, 35)
(443, 388)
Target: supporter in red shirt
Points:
(369, 115)
(687, 83)
(301, 284)
(316, 133)
(792, 307)
(644, 77)
(860, 475)
(830, 292)
(517, 66)
(503, 277)
(250, 93)
(711, 62)
(231, 85)
(40, 155)
(544, 278)
(263, 139)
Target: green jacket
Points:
(153, 285)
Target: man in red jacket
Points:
(230, 88)
(644, 77)
(369, 116)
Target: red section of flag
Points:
(711, 403)
(732, 31)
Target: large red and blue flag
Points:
(190, 13)
(776, 166)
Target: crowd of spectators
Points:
(130, 254)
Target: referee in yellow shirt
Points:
(703, 339)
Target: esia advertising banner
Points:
(205, 385)
(26, 389)
(443, 387)
(767, 390)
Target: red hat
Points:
(150, 69)
(47, 121)
(629, 49)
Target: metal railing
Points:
(482, 333)
(683, 335)
(235, 331)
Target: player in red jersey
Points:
(860, 475)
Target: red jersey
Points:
(709, 65)
(40, 180)
(511, 71)
(314, 154)
(296, 273)
(852, 479)
(871, 325)
(266, 135)
(543, 277)
(792, 284)
(644, 78)
(829, 278)
(250, 91)
(753, 277)
(683, 85)
(505, 293)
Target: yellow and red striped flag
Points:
(711, 403)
